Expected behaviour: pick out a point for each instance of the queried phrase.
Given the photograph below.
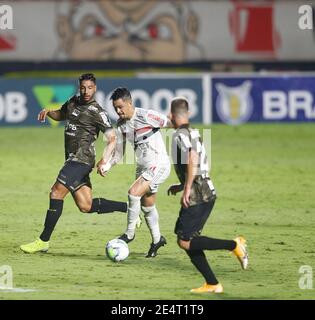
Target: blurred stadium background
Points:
(248, 71)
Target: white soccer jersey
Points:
(142, 131)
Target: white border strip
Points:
(20, 290)
(207, 96)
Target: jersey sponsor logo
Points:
(72, 134)
(70, 126)
(140, 117)
(234, 105)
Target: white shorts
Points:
(155, 174)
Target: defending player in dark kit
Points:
(191, 166)
(84, 119)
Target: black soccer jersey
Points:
(185, 139)
(83, 121)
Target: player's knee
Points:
(148, 209)
(133, 191)
(86, 207)
(134, 195)
(55, 193)
(138, 189)
(185, 245)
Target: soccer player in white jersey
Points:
(141, 128)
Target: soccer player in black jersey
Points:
(84, 119)
(191, 166)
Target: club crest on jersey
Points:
(234, 105)
(75, 112)
(141, 117)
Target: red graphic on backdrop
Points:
(253, 28)
(7, 42)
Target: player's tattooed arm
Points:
(120, 148)
(108, 151)
(53, 114)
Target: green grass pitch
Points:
(264, 176)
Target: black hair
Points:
(87, 76)
(121, 93)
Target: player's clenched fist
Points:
(174, 188)
(42, 115)
(102, 167)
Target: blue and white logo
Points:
(234, 105)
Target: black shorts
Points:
(74, 175)
(191, 220)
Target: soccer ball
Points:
(117, 250)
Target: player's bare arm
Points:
(119, 150)
(53, 114)
(190, 176)
(108, 151)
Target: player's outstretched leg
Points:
(236, 246)
(101, 205)
(84, 201)
(206, 243)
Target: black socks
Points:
(101, 205)
(199, 260)
(205, 243)
(52, 216)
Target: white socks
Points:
(152, 219)
(133, 214)
(150, 214)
